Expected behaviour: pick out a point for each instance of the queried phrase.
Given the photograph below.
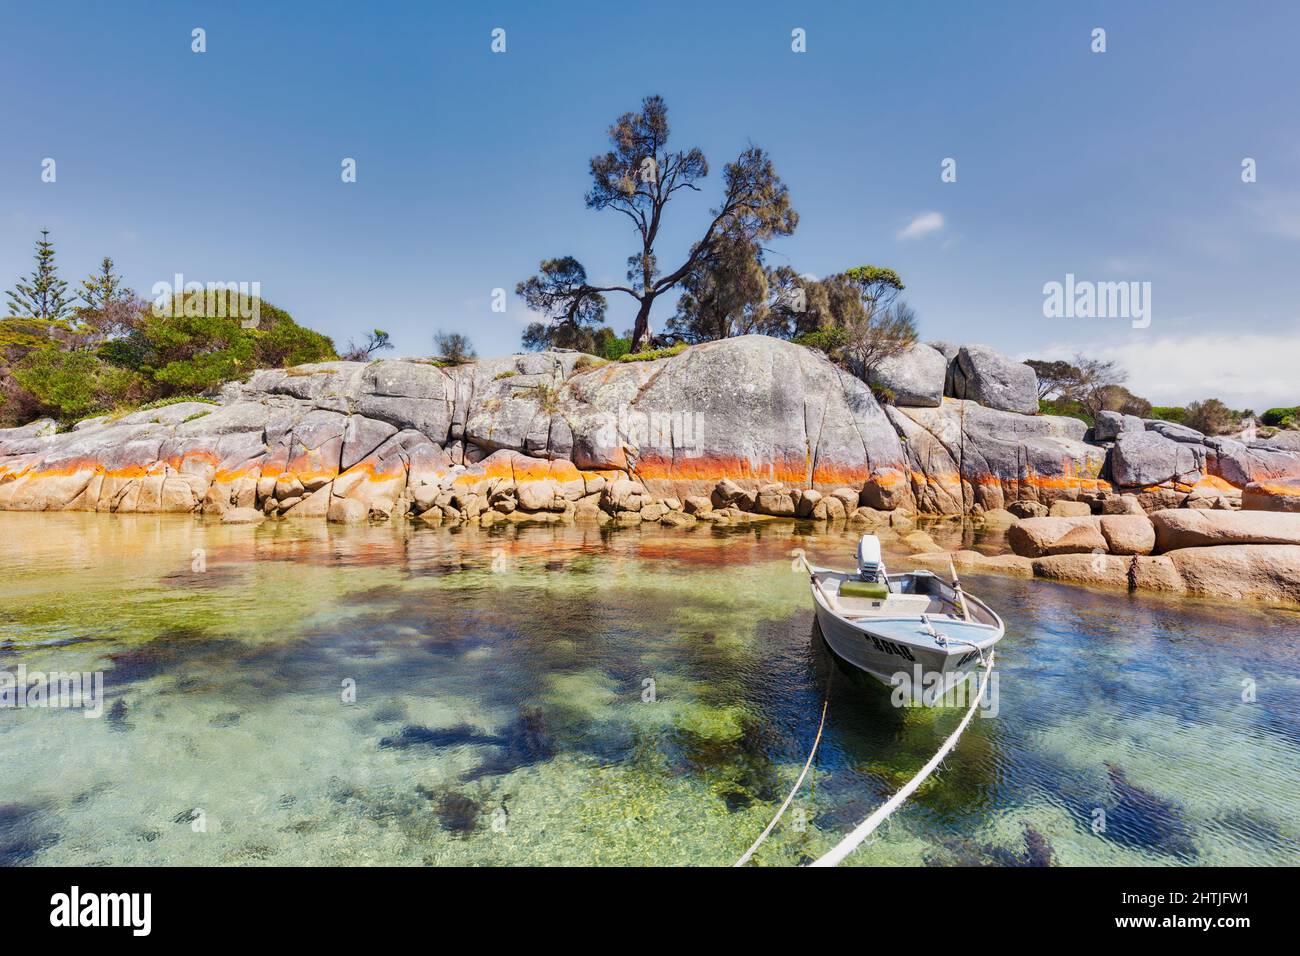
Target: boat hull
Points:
(878, 653)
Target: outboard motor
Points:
(870, 565)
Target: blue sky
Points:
(1120, 166)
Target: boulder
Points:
(1094, 570)
(777, 504)
(1038, 537)
(243, 516)
(726, 493)
(1241, 571)
(963, 455)
(626, 495)
(849, 497)
(887, 489)
(998, 518)
(1107, 425)
(1141, 459)
(918, 542)
(939, 561)
(1186, 528)
(947, 349)
(361, 436)
(807, 502)
(871, 517)
(828, 508)
(750, 407)
(1155, 573)
(1027, 509)
(1288, 440)
(315, 505)
(983, 375)
(1012, 564)
(697, 505)
(1174, 431)
(1238, 464)
(1273, 494)
(537, 495)
(1122, 505)
(915, 377)
(901, 522)
(1128, 534)
(347, 510)
(1069, 509)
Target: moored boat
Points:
(913, 624)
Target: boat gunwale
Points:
(998, 629)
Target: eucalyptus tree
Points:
(638, 177)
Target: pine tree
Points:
(103, 288)
(44, 295)
(111, 309)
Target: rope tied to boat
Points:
(793, 790)
(868, 826)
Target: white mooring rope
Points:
(797, 784)
(868, 826)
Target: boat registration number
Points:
(889, 647)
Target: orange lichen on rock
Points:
(715, 468)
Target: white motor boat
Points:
(914, 623)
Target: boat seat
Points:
(872, 590)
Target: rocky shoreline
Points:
(739, 430)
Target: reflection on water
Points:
(302, 693)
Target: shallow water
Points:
(499, 716)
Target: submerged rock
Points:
(1142, 819)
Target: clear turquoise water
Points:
(499, 717)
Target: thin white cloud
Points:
(1277, 212)
(922, 225)
(1244, 371)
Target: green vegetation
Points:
(613, 348)
(1084, 387)
(43, 295)
(72, 385)
(649, 355)
(116, 352)
(1066, 407)
(548, 397)
(1169, 413)
(829, 339)
(175, 400)
(376, 341)
(454, 348)
(1282, 417)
